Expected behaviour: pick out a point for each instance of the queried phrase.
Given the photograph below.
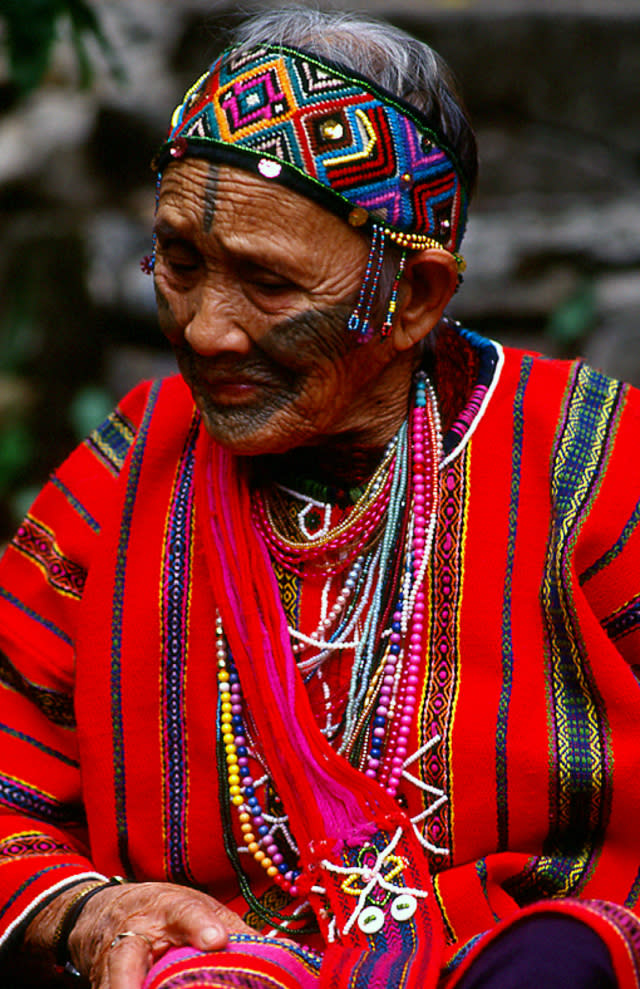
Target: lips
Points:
(226, 381)
(232, 390)
(220, 372)
(229, 388)
(241, 379)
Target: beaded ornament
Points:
(378, 616)
(338, 139)
(334, 136)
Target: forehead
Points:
(242, 206)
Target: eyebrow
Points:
(166, 229)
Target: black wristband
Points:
(66, 925)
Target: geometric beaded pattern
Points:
(443, 677)
(298, 120)
(38, 543)
(28, 843)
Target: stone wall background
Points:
(553, 248)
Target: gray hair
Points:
(399, 63)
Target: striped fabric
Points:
(246, 962)
(521, 777)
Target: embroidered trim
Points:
(20, 796)
(23, 737)
(116, 626)
(57, 707)
(624, 621)
(581, 756)
(75, 504)
(615, 550)
(35, 541)
(176, 584)
(506, 630)
(491, 363)
(111, 441)
(50, 626)
(27, 843)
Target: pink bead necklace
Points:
(334, 549)
(386, 713)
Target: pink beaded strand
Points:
(426, 445)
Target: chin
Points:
(250, 428)
(245, 442)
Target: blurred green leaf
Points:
(90, 406)
(32, 28)
(16, 451)
(574, 317)
(31, 31)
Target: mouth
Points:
(228, 388)
(228, 383)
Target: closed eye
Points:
(179, 256)
(180, 267)
(266, 280)
(272, 285)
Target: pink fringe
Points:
(309, 775)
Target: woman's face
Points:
(255, 285)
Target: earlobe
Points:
(430, 279)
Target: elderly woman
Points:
(327, 657)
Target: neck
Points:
(337, 470)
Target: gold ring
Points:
(123, 934)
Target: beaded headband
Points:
(335, 137)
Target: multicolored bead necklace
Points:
(388, 655)
(257, 835)
(335, 547)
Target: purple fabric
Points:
(543, 952)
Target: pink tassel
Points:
(321, 783)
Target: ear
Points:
(430, 278)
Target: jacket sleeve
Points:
(43, 836)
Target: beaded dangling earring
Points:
(360, 319)
(393, 299)
(148, 262)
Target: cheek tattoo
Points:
(312, 336)
(284, 359)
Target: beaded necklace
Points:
(333, 548)
(388, 661)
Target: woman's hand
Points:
(163, 914)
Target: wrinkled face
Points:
(254, 286)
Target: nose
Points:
(213, 327)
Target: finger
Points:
(128, 962)
(232, 921)
(206, 925)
